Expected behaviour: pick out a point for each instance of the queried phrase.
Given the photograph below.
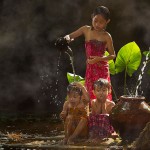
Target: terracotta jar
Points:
(129, 116)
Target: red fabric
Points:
(97, 70)
(100, 126)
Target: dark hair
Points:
(102, 10)
(102, 82)
(73, 88)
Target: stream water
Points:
(55, 97)
(141, 74)
(69, 52)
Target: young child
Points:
(97, 41)
(74, 113)
(99, 124)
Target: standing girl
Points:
(97, 41)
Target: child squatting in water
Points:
(74, 113)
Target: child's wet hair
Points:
(102, 10)
(73, 88)
(101, 83)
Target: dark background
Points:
(30, 79)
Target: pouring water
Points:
(141, 74)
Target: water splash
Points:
(70, 54)
(129, 93)
(142, 72)
(47, 90)
(55, 97)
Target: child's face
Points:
(101, 93)
(99, 22)
(74, 97)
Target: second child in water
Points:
(74, 113)
(99, 123)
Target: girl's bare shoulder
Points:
(86, 28)
(107, 35)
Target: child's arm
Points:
(76, 34)
(110, 106)
(86, 98)
(93, 108)
(64, 112)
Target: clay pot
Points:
(129, 116)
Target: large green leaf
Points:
(128, 58)
(72, 78)
(111, 65)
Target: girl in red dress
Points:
(97, 41)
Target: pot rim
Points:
(139, 97)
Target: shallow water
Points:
(46, 134)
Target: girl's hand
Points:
(67, 37)
(93, 59)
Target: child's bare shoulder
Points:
(110, 102)
(93, 101)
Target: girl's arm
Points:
(110, 49)
(76, 33)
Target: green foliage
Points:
(72, 78)
(128, 58)
(111, 65)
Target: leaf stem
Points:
(125, 79)
(114, 93)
